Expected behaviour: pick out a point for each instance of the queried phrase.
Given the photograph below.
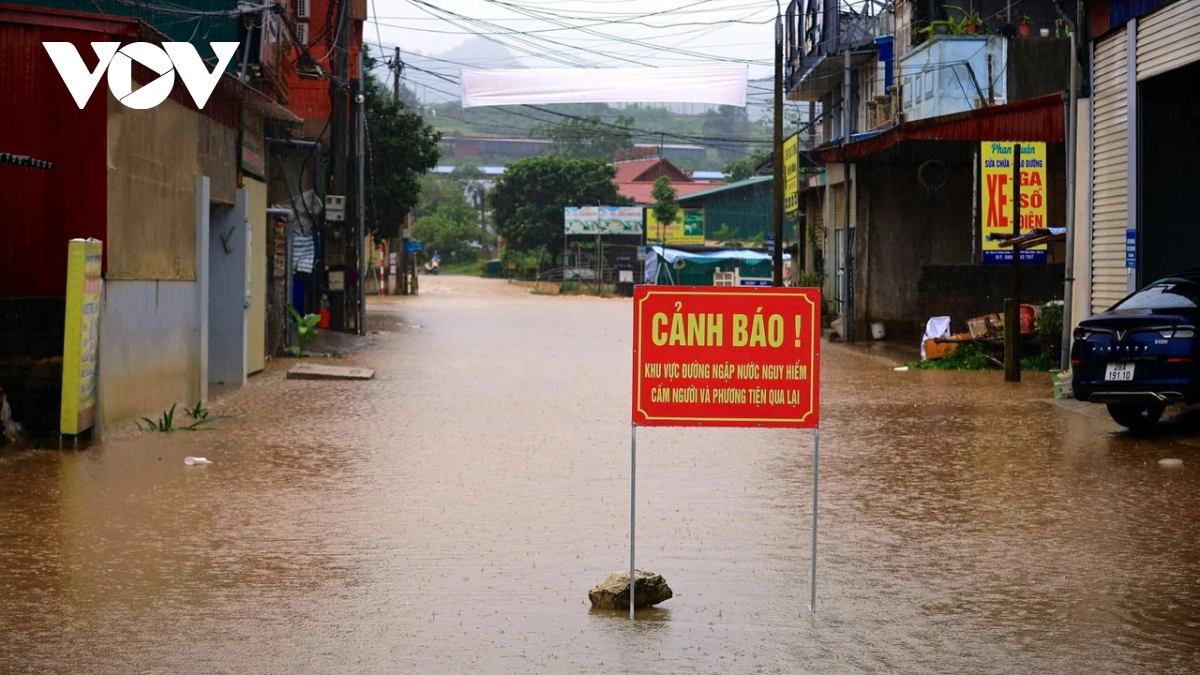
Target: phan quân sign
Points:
(997, 191)
(731, 357)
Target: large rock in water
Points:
(613, 592)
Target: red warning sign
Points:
(730, 357)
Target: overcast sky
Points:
(586, 32)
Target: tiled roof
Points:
(629, 171)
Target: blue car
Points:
(1140, 355)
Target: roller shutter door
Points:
(1110, 179)
(1167, 39)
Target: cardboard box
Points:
(979, 327)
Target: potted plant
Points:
(970, 22)
(935, 28)
(1026, 26)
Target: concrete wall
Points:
(227, 312)
(256, 326)
(1081, 290)
(935, 78)
(153, 158)
(964, 292)
(1038, 67)
(149, 351)
(903, 229)
(908, 229)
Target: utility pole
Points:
(778, 180)
(360, 245)
(396, 77)
(402, 249)
(1072, 163)
(847, 301)
(339, 137)
(481, 205)
(1012, 306)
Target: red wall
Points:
(44, 208)
(307, 98)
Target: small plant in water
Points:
(306, 329)
(166, 422)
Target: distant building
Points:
(635, 179)
(474, 147)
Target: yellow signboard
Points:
(996, 197)
(687, 228)
(791, 172)
(81, 336)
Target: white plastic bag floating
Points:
(937, 327)
(196, 461)
(10, 430)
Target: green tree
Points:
(401, 147)
(466, 175)
(446, 222)
(470, 178)
(529, 199)
(741, 169)
(666, 201)
(587, 137)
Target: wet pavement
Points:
(451, 515)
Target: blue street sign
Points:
(1131, 249)
(414, 246)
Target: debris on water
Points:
(10, 431)
(307, 371)
(196, 461)
(901, 369)
(1170, 462)
(418, 325)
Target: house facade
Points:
(177, 195)
(1139, 144)
(907, 109)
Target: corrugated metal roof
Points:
(1037, 119)
(642, 192)
(741, 184)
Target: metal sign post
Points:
(725, 357)
(632, 511)
(812, 602)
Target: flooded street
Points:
(451, 515)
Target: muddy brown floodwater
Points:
(451, 515)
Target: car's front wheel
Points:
(1136, 416)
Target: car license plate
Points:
(1119, 372)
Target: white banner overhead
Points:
(722, 85)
